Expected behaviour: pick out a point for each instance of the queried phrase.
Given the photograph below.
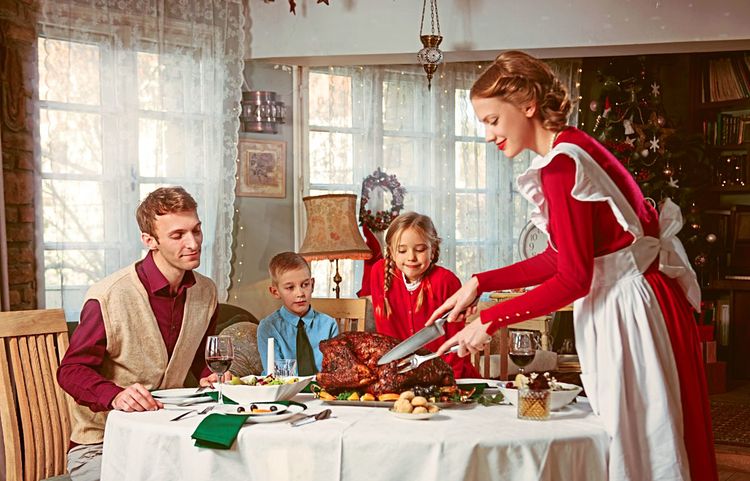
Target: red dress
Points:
(581, 231)
(405, 319)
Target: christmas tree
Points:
(665, 160)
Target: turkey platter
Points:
(350, 362)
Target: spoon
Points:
(311, 418)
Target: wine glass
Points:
(219, 356)
(522, 348)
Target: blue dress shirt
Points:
(282, 326)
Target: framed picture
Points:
(261, 169)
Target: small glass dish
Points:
(533, 404)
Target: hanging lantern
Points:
(430, 56)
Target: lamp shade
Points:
(332, 231)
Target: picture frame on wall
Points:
(262, 168)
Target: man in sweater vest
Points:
(141, 328)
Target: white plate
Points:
(412, 416)
(183, 392)
(280, 408)
(231, 409)
(186, 400)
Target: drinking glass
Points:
(285, 368)
(522, 348)
(219, 356)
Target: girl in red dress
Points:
(407, 285)
(621, 264)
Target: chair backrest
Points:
(244, 336)
(34, 410)
(497, 350)
(255, 298)
(347, 312)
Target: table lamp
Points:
(332, 231)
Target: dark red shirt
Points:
(79, 373)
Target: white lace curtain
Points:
(362, 118)
(133, 95)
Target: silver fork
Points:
(186, 415)
(415, 360)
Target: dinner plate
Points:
(248, 409)
(186, 401)
(183, 392)
(412, 416)
(231, 410)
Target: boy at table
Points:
(296, 327)
(141, 328)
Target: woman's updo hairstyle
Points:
(518, 78)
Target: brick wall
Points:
(17, 65)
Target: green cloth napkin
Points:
(308, 388)
(218, 431)
(480, 387)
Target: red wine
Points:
(219, 365)
(522, 360)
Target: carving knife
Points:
(417, 340)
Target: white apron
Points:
(628, 368)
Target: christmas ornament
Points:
(644, 153)
(667, 171)
(661, 120)
(711, 238)
(654, 144)
(700, 260)
(594, 105)
(627, 124)
(655, 89)
(630, 141)
(673, 183)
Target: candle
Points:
(270, 357)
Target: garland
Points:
(380, 220)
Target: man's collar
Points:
(156, 280)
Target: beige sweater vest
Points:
(135, 348)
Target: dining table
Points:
(362, 443)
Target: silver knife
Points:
(415, 341)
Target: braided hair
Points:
(424, 226)
(519, 78)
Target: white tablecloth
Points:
(483, 443)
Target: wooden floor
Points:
(734, 462)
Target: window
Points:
(362, 118)
(106, 142)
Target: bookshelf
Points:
(720, 112)
(722, 115)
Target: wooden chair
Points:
(34, 410)
(347, 312)
(499, 344)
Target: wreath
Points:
(380, 220)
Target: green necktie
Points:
(305, 358)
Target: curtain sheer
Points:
(362, 118)
(133, 95)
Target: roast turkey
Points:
(350, 362)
